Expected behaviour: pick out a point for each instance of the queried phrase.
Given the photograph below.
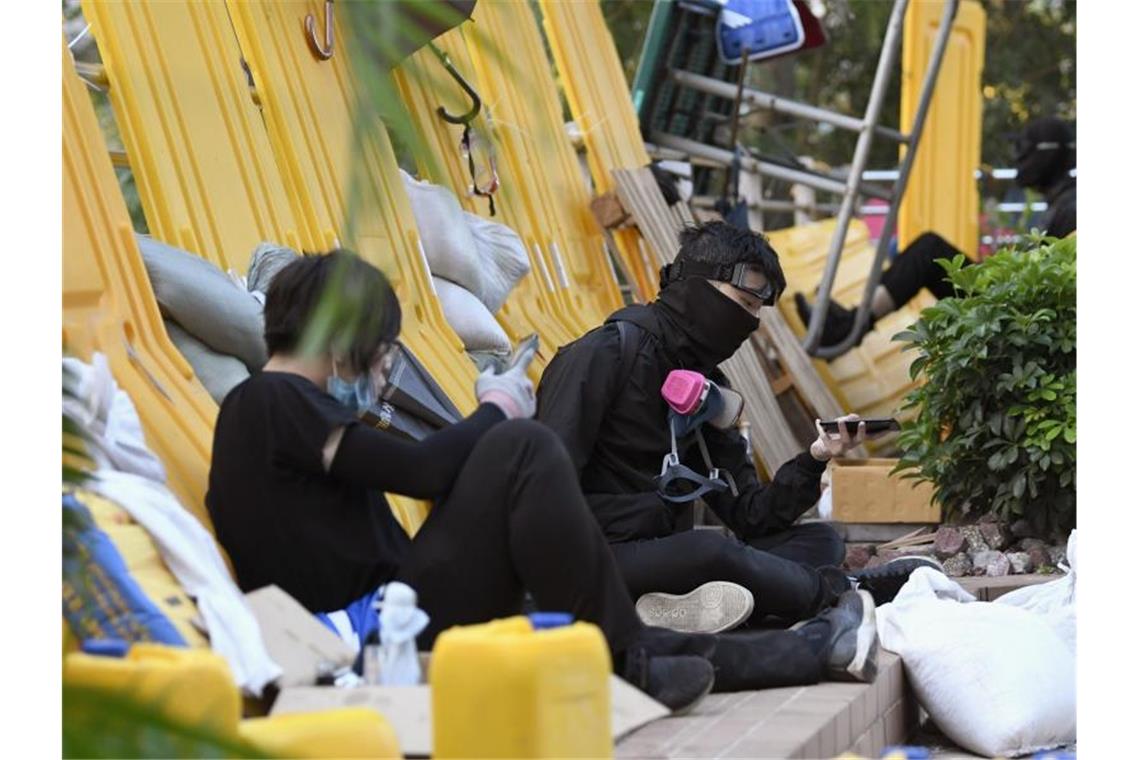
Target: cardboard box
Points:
(408, 708)
(863, 491)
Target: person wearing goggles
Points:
(1044, 154)
(604, 395)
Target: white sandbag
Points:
(205, 302)
(218, 372)
(470, 319)
(447, 240)
(265, 262)
(995, 678)
(1055, 601)
(503, 259)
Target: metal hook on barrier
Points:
(325, 51)
(476, 101)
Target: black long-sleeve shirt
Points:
(615, 429)
(325, 537)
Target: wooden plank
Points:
(644, 203)
(772, 437)
(798, 364)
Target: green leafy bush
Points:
(996, 428)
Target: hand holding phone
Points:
(872, 426)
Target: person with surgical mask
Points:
(1044, 153)
(297, 487)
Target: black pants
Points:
(515, 520)
(917, 268)
(779, 569)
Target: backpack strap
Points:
(628, 343)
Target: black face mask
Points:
(708, 326)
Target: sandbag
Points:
(503, 257)
(995, 678)
(485, 257)
(266, 261)
(218, 372)
(470, 319)
(1055, 601)
(447, 240)
(205, 302)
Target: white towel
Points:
(190, 553)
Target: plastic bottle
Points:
(400, 622)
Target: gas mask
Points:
(693, 401)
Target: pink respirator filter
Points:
(685, 390)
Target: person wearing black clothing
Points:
(610, 414)
(296, 490)
(1045, 152)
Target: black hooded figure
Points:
(1044, 153)
(604, 401)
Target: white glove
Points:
(512, 391)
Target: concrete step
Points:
(819, 721)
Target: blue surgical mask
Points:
(358, 395)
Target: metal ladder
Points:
(868, 128)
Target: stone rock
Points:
(857, 556)
(922, 550)
(988, 517)
(1038, 556)
(948, 542)
(1021, 529)
(1032, 543)
(974, 541)
(982, 560)
(995, 534)
(1019, 563)
(998, 566)
(958, 566)
(1058, 554)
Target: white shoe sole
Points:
(712, 607)
(864, 666)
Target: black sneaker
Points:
(836, 327)
(853, 648)
(678, 682)
(885, 580)
(709, 608)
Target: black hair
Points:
(363, 311)
(722, 243)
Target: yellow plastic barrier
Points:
(307, 105)
(504, 690)
(193, 688)
(942, 195)
(518, 85)
(872, 378)
(532, 305)
(207, 176)
(195, 138)
(108, 305)
(595, 86)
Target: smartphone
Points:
(873, 426)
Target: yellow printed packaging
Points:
(504, 689)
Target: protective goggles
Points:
(735, 275)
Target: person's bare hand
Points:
(830, 445)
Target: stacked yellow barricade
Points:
(109, 307)
(595, 87)
(211, 181)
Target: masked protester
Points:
(297, 488)
(602, 394)
(1044, 153)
